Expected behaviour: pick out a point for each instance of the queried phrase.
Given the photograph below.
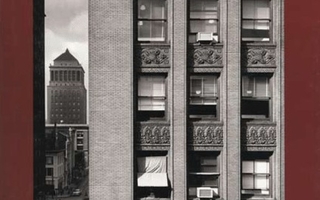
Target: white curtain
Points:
(152, 171)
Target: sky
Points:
(66, 26)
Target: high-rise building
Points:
(66, 91)
(186, 99)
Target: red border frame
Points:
(302, 99)
(16, 100)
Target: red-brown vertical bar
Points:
(16, 100)
(302, 99)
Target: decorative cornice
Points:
(154, 136)
(258, 70)
(205, 69)
(153, 147)
(259, 135)
(205, 56)
(258, 148)
(258, 56)
(153, 70)
(205, 134)
(153, 56)
(204, 148)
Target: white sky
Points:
(66, 26)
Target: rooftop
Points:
(66, 56)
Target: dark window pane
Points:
(255, 109)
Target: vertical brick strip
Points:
(179, 49)
(233, 70)
(110, 97)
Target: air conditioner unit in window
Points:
(209, 37)
(204, 192)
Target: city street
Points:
(83, 186)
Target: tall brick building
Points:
(67, 95)
(186, 99)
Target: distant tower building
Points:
(66, 91)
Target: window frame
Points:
(215, 97)
(164, 20)
(49, 169)
(246, 99)
(140, 191)
(216, 20)
(195, 161)
(254, 157)
(153, 115)
(270, 21)
(49, 163)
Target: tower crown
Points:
(66, 59)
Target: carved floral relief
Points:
(259, 135)
(153, 135)
(206, 135)
(153, 56)
(205, 56)
(259, 56)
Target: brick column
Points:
(233, 69)
(110, 97)
(179, 107)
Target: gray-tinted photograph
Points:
(164, 99)
(66, 85)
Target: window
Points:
(203, 23)
(256, 176)
(152, 178)
(78, 76)
(73, 75)
(69, 75)
(49, 182)
(152, 20)
(203, 175)
(151, 97)
(203, 96)
(49, 160)
(256, 98)
(256, 20)
(65, 75)
(49, 171)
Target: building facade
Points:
(186, 99)
(55, 170)
(67, 95)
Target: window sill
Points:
(152, 44)
(257, 198)
(152, 198)
(198, 44)
(197, 198)
(258, 44)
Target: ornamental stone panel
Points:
(205, 56)
(254, 56)
(153, 135)
(259, 135)
(205, 134)
(153, 56)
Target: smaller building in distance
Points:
(67, 156)
(67, 95)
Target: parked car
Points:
(76, 192)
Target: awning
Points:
(152, 180)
